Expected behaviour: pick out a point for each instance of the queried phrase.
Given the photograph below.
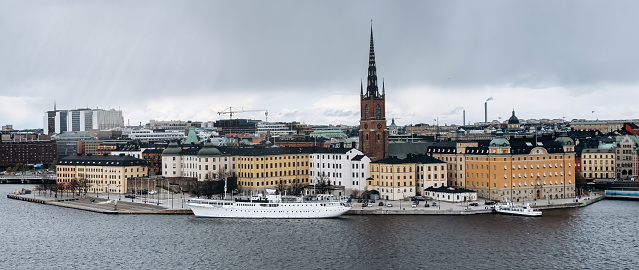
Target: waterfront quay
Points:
(115, 204)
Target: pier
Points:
(140, 206)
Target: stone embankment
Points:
(138, 206)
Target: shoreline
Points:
(161, 207)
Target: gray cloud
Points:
(121, 53)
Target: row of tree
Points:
(75, 187)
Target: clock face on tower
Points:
(365, 126)
(379, 126)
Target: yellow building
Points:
(103, 173)
(598, 163)
(397, 179)
(258, 169)
(520, 170)
(453, 153)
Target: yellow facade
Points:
(272, 170)
(101, 175)
(527, 176)
(598, 163)
(393, 181)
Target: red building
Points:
(31, 152)
(373, 133)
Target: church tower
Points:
(373, 133)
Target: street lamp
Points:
(120, 193)
(108, 191)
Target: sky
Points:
(304, 60)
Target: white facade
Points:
(83, 120)
(274, 129)
(431, 175)
(342, 167)
(151, 136)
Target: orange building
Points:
(520, 170)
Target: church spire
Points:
(361, 87)
(371, 84)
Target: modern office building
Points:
(60, 121)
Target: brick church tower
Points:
(373, 133)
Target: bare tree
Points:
(73, 186)
(83, 185)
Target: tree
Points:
(323, 183)
(356, 193)
(83, 185)
(73, 186)
(53, 164)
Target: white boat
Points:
(517, 209)
(273, 206)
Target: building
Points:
(103, 173)
(175, 125)
(27, 153)
(453, 153)
(598, 163)
(265, 129)
(398, 179)
(451, 195)
(347, 168)
(201, 163)
(234, 127)
(147, 135)
(276, 168)
(373, 133)
(60, 121)
(626, 152)
(522, 170)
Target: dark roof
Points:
(266, 151)
(357, 157)
(153, 151)
(449, 190)
(423, 159)
(522, 146)
(102, 160)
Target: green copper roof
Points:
(209, 150)
(172, 149)
(192, 137)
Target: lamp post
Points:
(119, 193)
(108, 191)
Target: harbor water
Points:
(603, 235)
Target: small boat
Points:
(273, 206)
(517, 209)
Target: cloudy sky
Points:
(303, 60)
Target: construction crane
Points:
(231, 110)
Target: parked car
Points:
(153, 192)
(426, 205)
(473, 204)
(381, 204)
(369, 205)
(389, 205)
(414, 205)
(490, 202)
(364, 205)
(434, 204)
(131, 196)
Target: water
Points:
(35, 236)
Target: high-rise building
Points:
(60, 121)
(373, 133)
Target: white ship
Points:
(273, 206)
(517, 209)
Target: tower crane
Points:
(231, 110)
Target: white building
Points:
(148, 135)
(206, 163)
(274, 129)
(344, 167)
(451, 195)
(60, 121)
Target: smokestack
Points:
(486, 112)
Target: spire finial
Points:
(361, 86)
(383, 87)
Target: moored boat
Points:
(273, 206)
(517, 209)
